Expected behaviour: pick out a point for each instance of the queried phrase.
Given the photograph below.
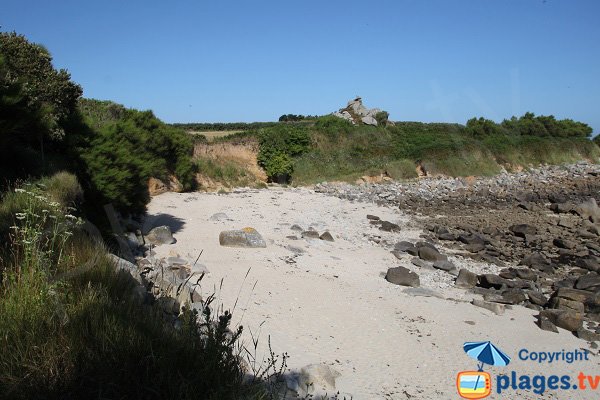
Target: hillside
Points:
(341, 147)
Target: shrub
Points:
(278, 145)
(382, 118)
(127, 149)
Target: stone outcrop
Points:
(356, 113)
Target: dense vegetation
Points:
(45, 127)
(338, 150)
(529, 125)
(278, 147)
(72, 327)
(223, 126)
(116, 168)
(296, 117)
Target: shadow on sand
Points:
(152, 221)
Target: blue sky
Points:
(444, 60)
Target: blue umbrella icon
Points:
(486, 353)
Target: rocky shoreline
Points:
(540, 227)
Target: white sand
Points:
(331, 305)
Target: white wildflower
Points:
(20, 216)
(71, 217)
(19, 190)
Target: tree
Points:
(44, 87)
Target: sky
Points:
(421, 60)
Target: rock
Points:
(402, 276)
(368, 120)
(246, 237)
(466, 279)
(564, 244)
(156, 187)
(313, 381)
(475, 247)
(545, 324)
(127, 267)
(514, 296)
(496, 308)
(492, 281)
(447, 236)
(591, 263)
(537, 261)
(590, 300)
(420, 244)
(447, 266)
(403, 246)
(561, 303)
(296, 228)
(160, 235)
(569, 320)
(587, 335)
(589, 281)
(522, 230)
(422, 264)
(219, 217)
(344, 115)
(373, 217)
(311, 235)
(471, 239)
(326, 236)
(561, 208)
(536, 298)
(389, 227)
(428, 254)
(526, 274)
(588, 210)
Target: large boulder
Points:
(466, 279)
(357, 113)
(568, 320)
(431, 254)
(160, 235)
(402, 276)
(247, 237)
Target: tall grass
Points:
(72, 327)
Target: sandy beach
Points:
(328, 302)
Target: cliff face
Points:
(357, 113)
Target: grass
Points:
(342, 152)
(226, 172)
(71, 326)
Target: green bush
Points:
(278, 146)
(127, 148)
(382, 118)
